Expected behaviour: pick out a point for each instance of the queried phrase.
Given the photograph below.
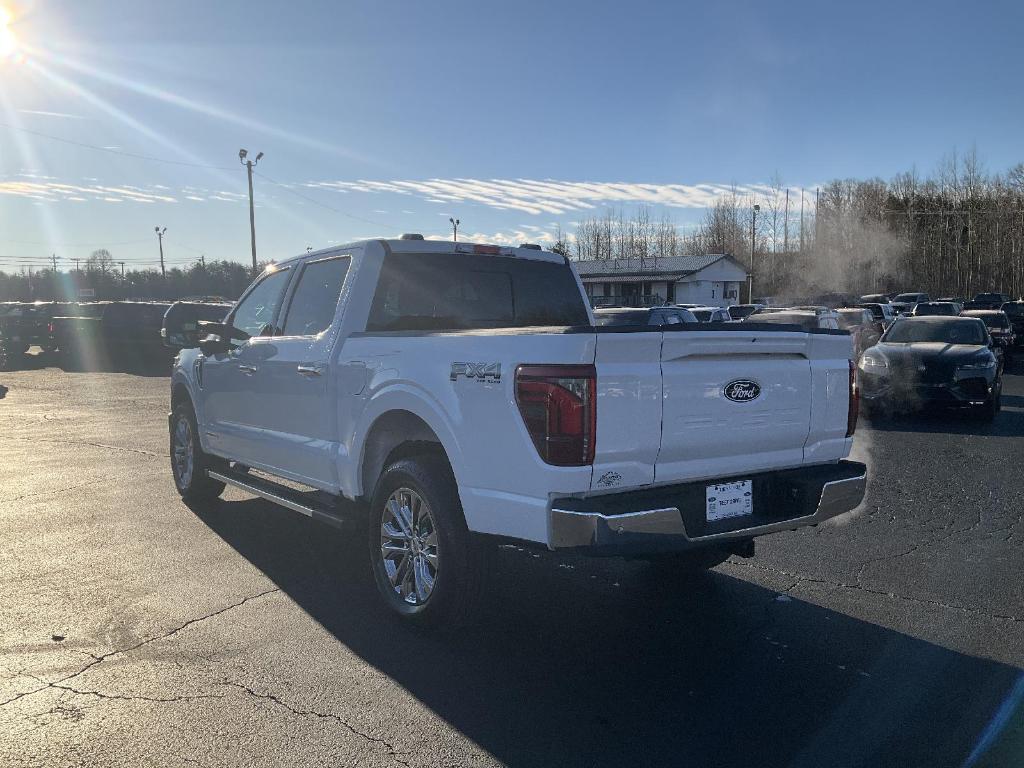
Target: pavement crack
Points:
(100, 658)
(882, 593)
(53, 491)
(392, 752)
(140, 451)
(124, 697)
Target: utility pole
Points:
(455, 229)
(202, 259)
(160, 237)
(76, 264)
(122, 269)
(249, 165)
(753, 239)
(801, 221)
(54, 259)
(785, 227)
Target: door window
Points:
(311, 309)
(255, 312)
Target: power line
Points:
(108, 150)
(289, 188)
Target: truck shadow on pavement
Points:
(1008, 423)
(100, 363)
(576, 662)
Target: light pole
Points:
(455, 229)
(249, 165)
(753, 239)
(160, 237)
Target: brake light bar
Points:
(558, 406)
(854, 408)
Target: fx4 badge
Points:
(478, 371)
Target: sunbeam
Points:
(102, 104)
(209, 110)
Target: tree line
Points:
(957, 232)
(102, 280)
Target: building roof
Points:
(651, 269)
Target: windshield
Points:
(805, 320)
(740, 312)
(1014, 310)
(908, 297)
(993, 320)
(952, 331)
(922, 310)
(704, 315)
(850, 318)
(622, 317)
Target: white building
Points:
(713, 280)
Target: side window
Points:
(256, 311)
(315, 298)
(671, 318)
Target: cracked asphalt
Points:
(137, 631)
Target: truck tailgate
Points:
(664, 415)
(733, 402)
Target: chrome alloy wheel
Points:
(184, 449)
(408, 546)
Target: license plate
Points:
(725, 500)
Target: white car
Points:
(437, 396)
(711, 314)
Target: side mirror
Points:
(222, 329)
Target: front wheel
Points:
(425, 562)
(188, 462)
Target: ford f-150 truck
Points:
(451, 395)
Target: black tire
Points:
(687, 564)
(193, 485)
(456, 582)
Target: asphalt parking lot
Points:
(136, 631)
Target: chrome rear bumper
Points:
(663, 528)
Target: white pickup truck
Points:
(455, 394)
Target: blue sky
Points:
(380, 118)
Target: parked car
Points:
(935, 308)
(874, 298)
(126, 330)
(904, 302)
(1014, 311)
(862, 327)
(180, 327)
(643, 316)
(429, 391)
(999, 326)
(740, 311)
(808, 320)
(926, 361)
(711, 314)
(883, 313)
(959, 301)
(989, 300)
(24, 325)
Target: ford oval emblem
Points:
(742, 390)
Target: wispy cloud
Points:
(41, 189)
(547, 195)
(43, 113)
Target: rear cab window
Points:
(438, 292)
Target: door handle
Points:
(248, 370)
(310, 370)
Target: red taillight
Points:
(558, 408)
(854, 409)
(49, 328)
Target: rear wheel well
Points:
(396, 435)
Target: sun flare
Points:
(8, 42)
